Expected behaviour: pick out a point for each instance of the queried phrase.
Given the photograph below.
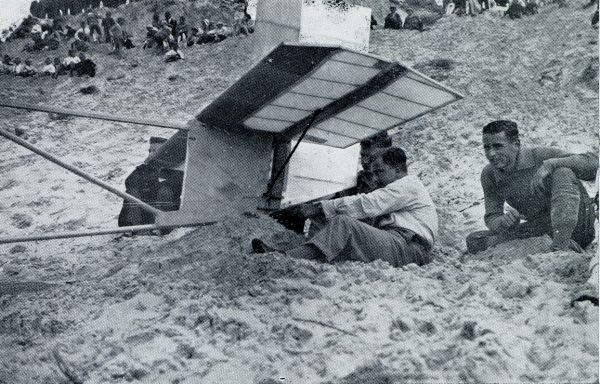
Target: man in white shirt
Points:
(406, 220)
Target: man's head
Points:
(501, 144)
(370, 146)
(82, 56)
(72, 52)
(393, 9)
(48, 61)
(389, 166)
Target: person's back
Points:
(48, 68)
(393, 20)
(85, 67)
(515, 10)
(413, 21)
(142, 183)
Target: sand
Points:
(195, 306)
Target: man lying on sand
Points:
(405, 228)
(541, 185)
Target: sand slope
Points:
(196, 307)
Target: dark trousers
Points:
(570, 207)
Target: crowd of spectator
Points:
(169, 35)
(401, 17)
(98, 26)
(74, 64)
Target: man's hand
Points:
(310, 210)
(539, 179)
(509, 219)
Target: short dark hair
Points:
(380, 140)
(509, 128)
(395, 157)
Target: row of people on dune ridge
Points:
(161, 34)
(514, 9)
(401, 17)
(74, 64)
(50, 34)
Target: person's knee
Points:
(342, 220)
(563, 174)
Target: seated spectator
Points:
(53, 40)
(93, 21)
(58, 24)
(69, 32)
(182, 30)
(172, 23)
(413, 21)
(83, 33)
(222, 32)
(24, 69)
(70, 62)
(37, 44)
(238, 19)
(173, 53)
(516, 9)
(373, 22)
(107, 23)
(60, 69)
(48, 69)
(156, 20)
(193, 36)
(531, 8)
(85, 67)
(207, 33)
(163, 37)
(79, 45)
(150, 37)
(393, 20)
(119, 36)
(36, 29)
(7, 66)
(247, 25)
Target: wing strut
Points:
(289, 157)
(93, 115)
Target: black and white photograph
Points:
(299, 191)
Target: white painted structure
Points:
(315, 170)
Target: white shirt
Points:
(49, 68)
(71, 60)
(20, 68)
(404, 203)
